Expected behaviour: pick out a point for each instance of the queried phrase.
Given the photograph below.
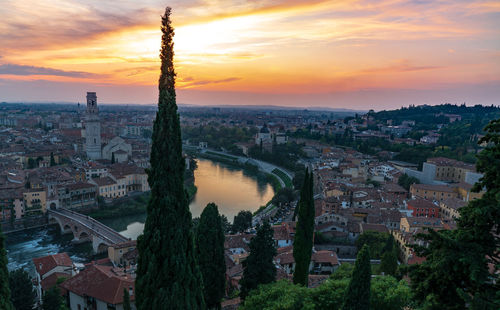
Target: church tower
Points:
(92, 128)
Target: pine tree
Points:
(5, 302)
(456, 272)
(210, 253)
(259, 267)
(303, 241)
(167, 275)
(126, 299)
(357, 295)
(113, 158)
(22, 293)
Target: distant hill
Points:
(435, 114)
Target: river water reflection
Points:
(230, 188)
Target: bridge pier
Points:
(99, 245)
(85, 229)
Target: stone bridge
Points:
(84, 228)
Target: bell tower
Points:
(92, 128)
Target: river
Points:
(232, 189)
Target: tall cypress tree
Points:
(303, 241)
(357, 295)
(167, 275)
(5, 302)
(210, 253)
(389, 261)
(52, 160)
(259, 267)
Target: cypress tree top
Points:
(4, 277)
(357, 295)
(167, 275)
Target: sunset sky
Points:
(337, 54)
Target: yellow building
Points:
(35, 201)
(448, 208)
(116, 251)
(436, 192)
(450, 170)
(108, 187)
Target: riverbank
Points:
(132, 206)
(276, 177)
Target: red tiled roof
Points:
(51, 280)
(325, 257)
(101, 282)
(47, 263)
(421, 203)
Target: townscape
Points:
(252, 202)
(54, 172)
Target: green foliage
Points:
(303, 241)
(219, 137)
(5, 302)
(280, 295)
(375, 240)
(126, 300)
(259, 267)
(456, 272)
(52, 300)
(357, 295)
(406, 181)
(135, 205)
(389, 263)
(31, 163)
(167, 274)
(283, 155)
(284, 196)
(385, 293)
(226, 226)
(298, 179)
(273, 180)
(22, 293)
(210, 255)
(52, 160)
(284, 177)
(242, 221)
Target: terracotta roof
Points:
(101, 282)
(104, 181)
(238, 241)
(125, 244)
(443, 161)
(421, 203)
(454, 203)
(281, 233)
(429, 187)
(51, 280)
(325, 257)
(47, 263)
(373, 227)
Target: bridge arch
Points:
(102, 247)
(83, 235)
